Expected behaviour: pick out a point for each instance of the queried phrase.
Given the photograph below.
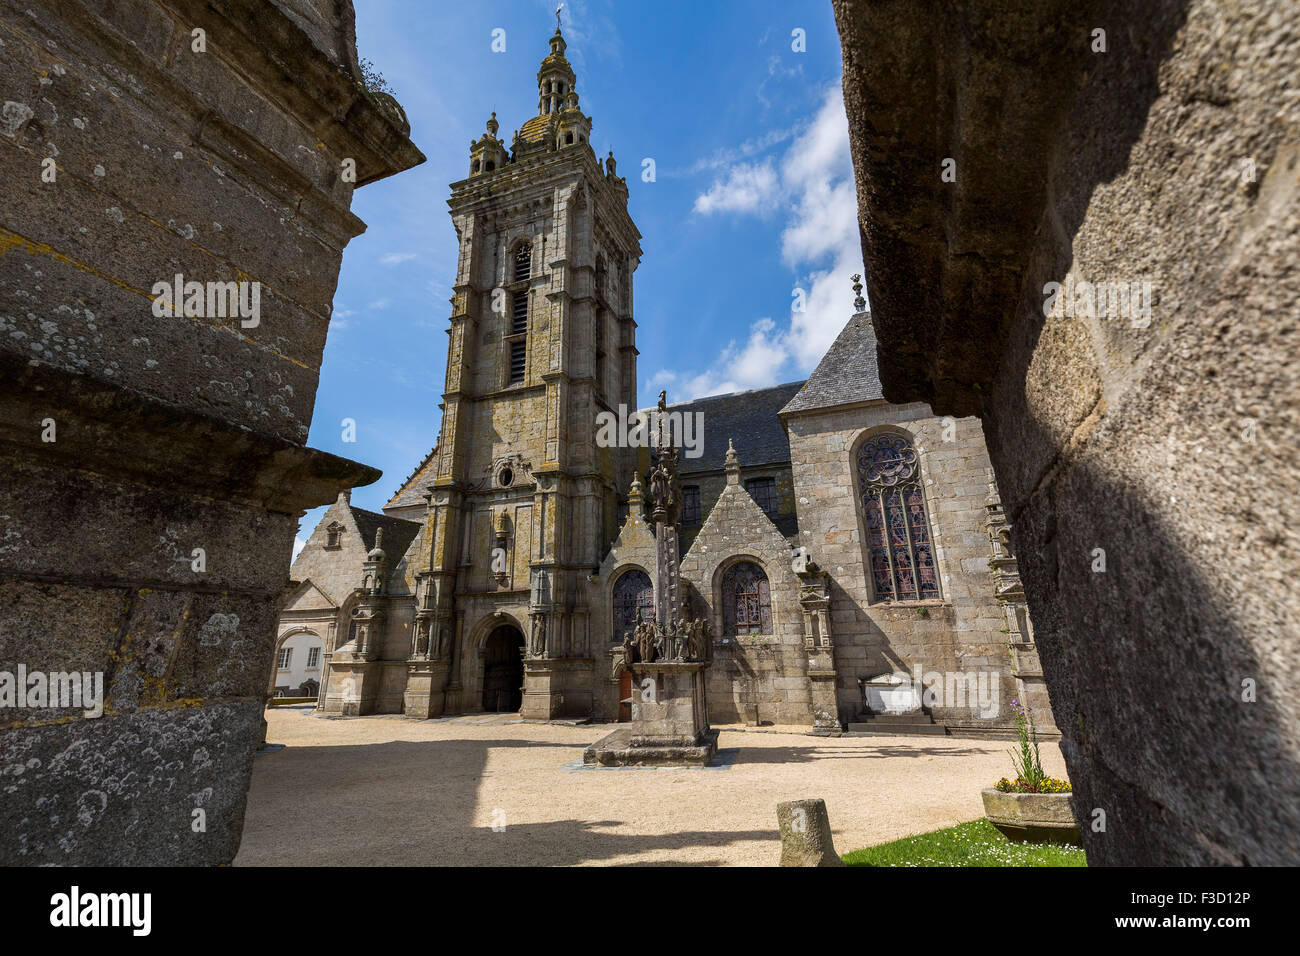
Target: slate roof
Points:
(847, 372)
(413, 490)
(398, 532)
(749, 418)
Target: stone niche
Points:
(889, 694)
(1108, 281)
(154, 462)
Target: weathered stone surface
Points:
(806, 834)
(1032, 817)
(1169, 444)
(156, 464)
(122, 790)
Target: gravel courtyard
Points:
(381, 791)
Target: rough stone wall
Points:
(960, 633)
(760, 678)
(1169, 442)
(171, 433)
(337, 572)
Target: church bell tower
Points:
(523, 502)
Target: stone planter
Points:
(1033, 817)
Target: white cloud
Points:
(396, 258)
(754, 364)
(821, 246)
(748, 188)
(734, 154)
(298, 545)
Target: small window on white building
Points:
(286, 655)
(313, 657)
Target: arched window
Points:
(900, 550)
(634, 601)
(746, 600)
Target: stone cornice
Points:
(106, 430)
(325, 95)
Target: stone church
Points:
(851, 555)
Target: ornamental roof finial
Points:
(859, 303)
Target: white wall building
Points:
(298, 660)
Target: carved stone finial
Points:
(634, 495)
(492, 124)
(377, 552)
(732, 464)
(859, 303)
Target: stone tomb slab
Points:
(617, 750)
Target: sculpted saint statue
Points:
(538, 643)
(690, 642)
(659, 488)
(645, 634)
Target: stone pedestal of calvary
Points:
(667, 657)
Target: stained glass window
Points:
(900, 552)
(634, 601)
(746, 600)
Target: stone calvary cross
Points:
(667, 657)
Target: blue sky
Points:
(753, 198)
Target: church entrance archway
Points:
(503, 670)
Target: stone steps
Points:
(910, 724)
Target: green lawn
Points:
(977, 843)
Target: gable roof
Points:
(303, 590)
(847, 373)
(748, 417)
(398, 532)
(413, 488)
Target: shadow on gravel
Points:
(408, 803)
